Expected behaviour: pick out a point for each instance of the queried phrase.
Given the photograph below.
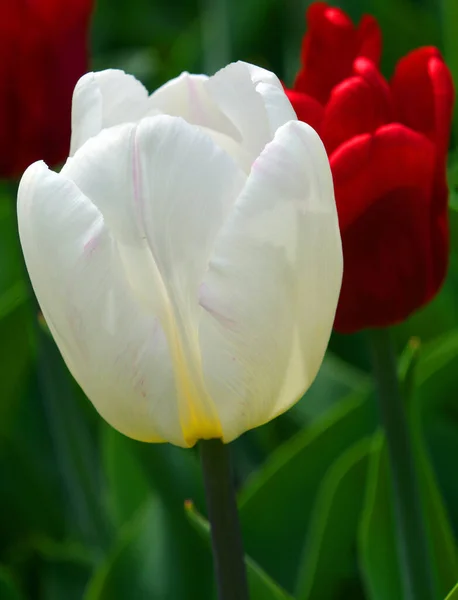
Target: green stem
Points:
(228, 555)
(413, 548)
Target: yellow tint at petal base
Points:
(198, 417)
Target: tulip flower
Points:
(187, 258)
(43, 49)
(387, 145)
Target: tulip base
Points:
(413, 549)
(228, 554)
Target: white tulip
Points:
(187, 258)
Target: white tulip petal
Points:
(130, 173)
(235, 150)
(272, 286)
(253, 98)
(187, 96)
(164, 226)
(188, 263)
(260, 75)
(278, 107)
(116, 351)
(233, 91)
(187, 186)
(181, 220)
(102, 170)
(104, 99)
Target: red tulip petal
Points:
(307, 108)
(370, 39)
(368, 166)
(423, 91)
(383, 185)
(330, 46)
(43, 50)
(359, 104)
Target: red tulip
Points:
(43, 49)
(387, 145)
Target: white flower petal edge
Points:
(233, 90)
(104, 99)
(187, 96)
(241, 106)
(188, 300)
(278, 107)
(78, 281)
(273, 284)
(116, 246)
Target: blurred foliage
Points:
(86, 513)
(453, 594)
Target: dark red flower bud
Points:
(330, 46)
(423, 92)
(307, 108)
(387, 146)
(383, 185)
(359, 104)
(43, 49)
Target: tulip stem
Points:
(412, 542)
(228, 554)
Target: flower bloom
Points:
(43, 54)
(187, 258)
(387, 145)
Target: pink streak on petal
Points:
(204, 302)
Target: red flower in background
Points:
(387, 145)
(43, 50)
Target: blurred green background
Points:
(87, 513)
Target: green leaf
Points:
(15, 317)
(155, 557)
(276, 503)
(336, 379)
(15, 364)
(128, 488)
(436, 356)
(436, 393)
(453, 594)
(64, 568)
(427, 383)
(378, 551)
(173, 472)
(162, 531)
(63, 580)
(13, 286)
(442, 433)
(74, 444)
(261, 586)
(438, 527)
(137, 566)
(441, 539)
(36, 399)
(329, 548)
(377, 542)
(8, 587)
(29, 471)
